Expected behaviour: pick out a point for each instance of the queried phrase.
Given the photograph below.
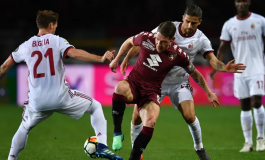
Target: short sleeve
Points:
(137, 39)
(19, 55)
(206, 47)
(64, 46)
(225, 36)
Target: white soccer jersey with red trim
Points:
(246, 37)
(43, 56)
(193, 44)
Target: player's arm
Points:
(199, 79)
(220, 54)
(125, 63)
(6, 66)
(125, 47)
(85, 56)
(221, 67)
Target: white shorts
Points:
(246, 87)
(77, 105)
(177, 92)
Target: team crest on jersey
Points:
(172, 56)
(252, 26)
(190, 46)
(66, 42)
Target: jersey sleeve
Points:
(137, 39)
(263, 26)
(64, 46)
(206, 48)
(225, 36)
(19, 55)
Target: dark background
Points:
(99, 25)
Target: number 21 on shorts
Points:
(260, 84)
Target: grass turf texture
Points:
(62, 138)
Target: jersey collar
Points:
(249, 14)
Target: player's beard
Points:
(188, 31)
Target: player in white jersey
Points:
(176, 84)
(49, 92)
(244, 33)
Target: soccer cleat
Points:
(117, 142)
(247, 148)
(108, 154)
(203, 155)
(260, 145)
(141, 157)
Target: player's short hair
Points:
(193, 10)
(167, 29)
(45, 17)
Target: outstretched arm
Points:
(199, 79)
(85, 56)
(220, 55)
(6, 66)
(125, 47)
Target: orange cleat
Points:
(141, 157)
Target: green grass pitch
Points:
(62, 138)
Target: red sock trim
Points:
(118, 97)
(148, 131)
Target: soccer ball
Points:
(90, 146)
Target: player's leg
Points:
(29, 121)
(256, 85)
(121, 95)
(136, 124)
(149, 114)
(81, 103)
(259, 117)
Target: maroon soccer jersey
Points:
(152, 67)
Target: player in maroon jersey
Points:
(158, 55)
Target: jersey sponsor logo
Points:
(190, 46)
(252, 26)
(245, 36)
(154, 60)
(149, 45)
(172, 56)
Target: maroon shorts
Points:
(143, 94)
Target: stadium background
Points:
(100, 25)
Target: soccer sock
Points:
(195, 130)
(19, 142)
(118, 107)
(246, 123)
(141, 142)
(135, 131)
(99, 122)
(259, 120)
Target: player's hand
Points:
(114, 65)
(234, 68)
(212, 74)
(213, 99)
(108, 56)
(124, 66)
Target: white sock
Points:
(19, 142)
(246, 123)
(195, 130)
(259, 120)
(98, 122)
(135, 131)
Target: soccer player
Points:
(244, 33)
(176, 85)
(158, 55)
(49, 92)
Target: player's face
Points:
(162, 42)
(242, 5)
(190, 24)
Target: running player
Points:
(244, 33)
(176, 85)
(158, 55)
(49, 92)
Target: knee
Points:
(150, 122)
(121, 88)
(189, 118)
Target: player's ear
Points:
(183, 18)
(172, 39)
(200, 21)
